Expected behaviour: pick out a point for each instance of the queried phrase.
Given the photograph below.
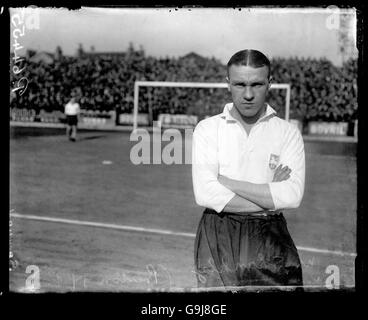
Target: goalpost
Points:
(208, 85)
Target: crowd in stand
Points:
(319, 90)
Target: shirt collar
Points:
(270, 112)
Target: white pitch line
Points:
(151, 230)
(338, 253)
(101, 225)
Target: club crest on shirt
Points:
(274, 160)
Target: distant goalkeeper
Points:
(71, 111)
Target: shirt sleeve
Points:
(208, 191)
(288, 194)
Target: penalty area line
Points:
(150, 230)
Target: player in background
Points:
(71, 111)
(248, 166)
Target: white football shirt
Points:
(221, 146)
(72, 109)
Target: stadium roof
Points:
(106, 53)
(42, 56)
(193, 55)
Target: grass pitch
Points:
(94, 180)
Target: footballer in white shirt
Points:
(71, 111)
(248, 165)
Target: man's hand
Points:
(281, 173)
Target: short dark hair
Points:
(249, 57)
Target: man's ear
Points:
(228, 84)
(270, 81)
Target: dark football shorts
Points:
(71, 120)
(245, 250)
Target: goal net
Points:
(279, 101)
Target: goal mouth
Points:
(208, 85)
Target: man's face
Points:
(249, 87)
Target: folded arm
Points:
(287, 188)
(238, 204)
(258, 193)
